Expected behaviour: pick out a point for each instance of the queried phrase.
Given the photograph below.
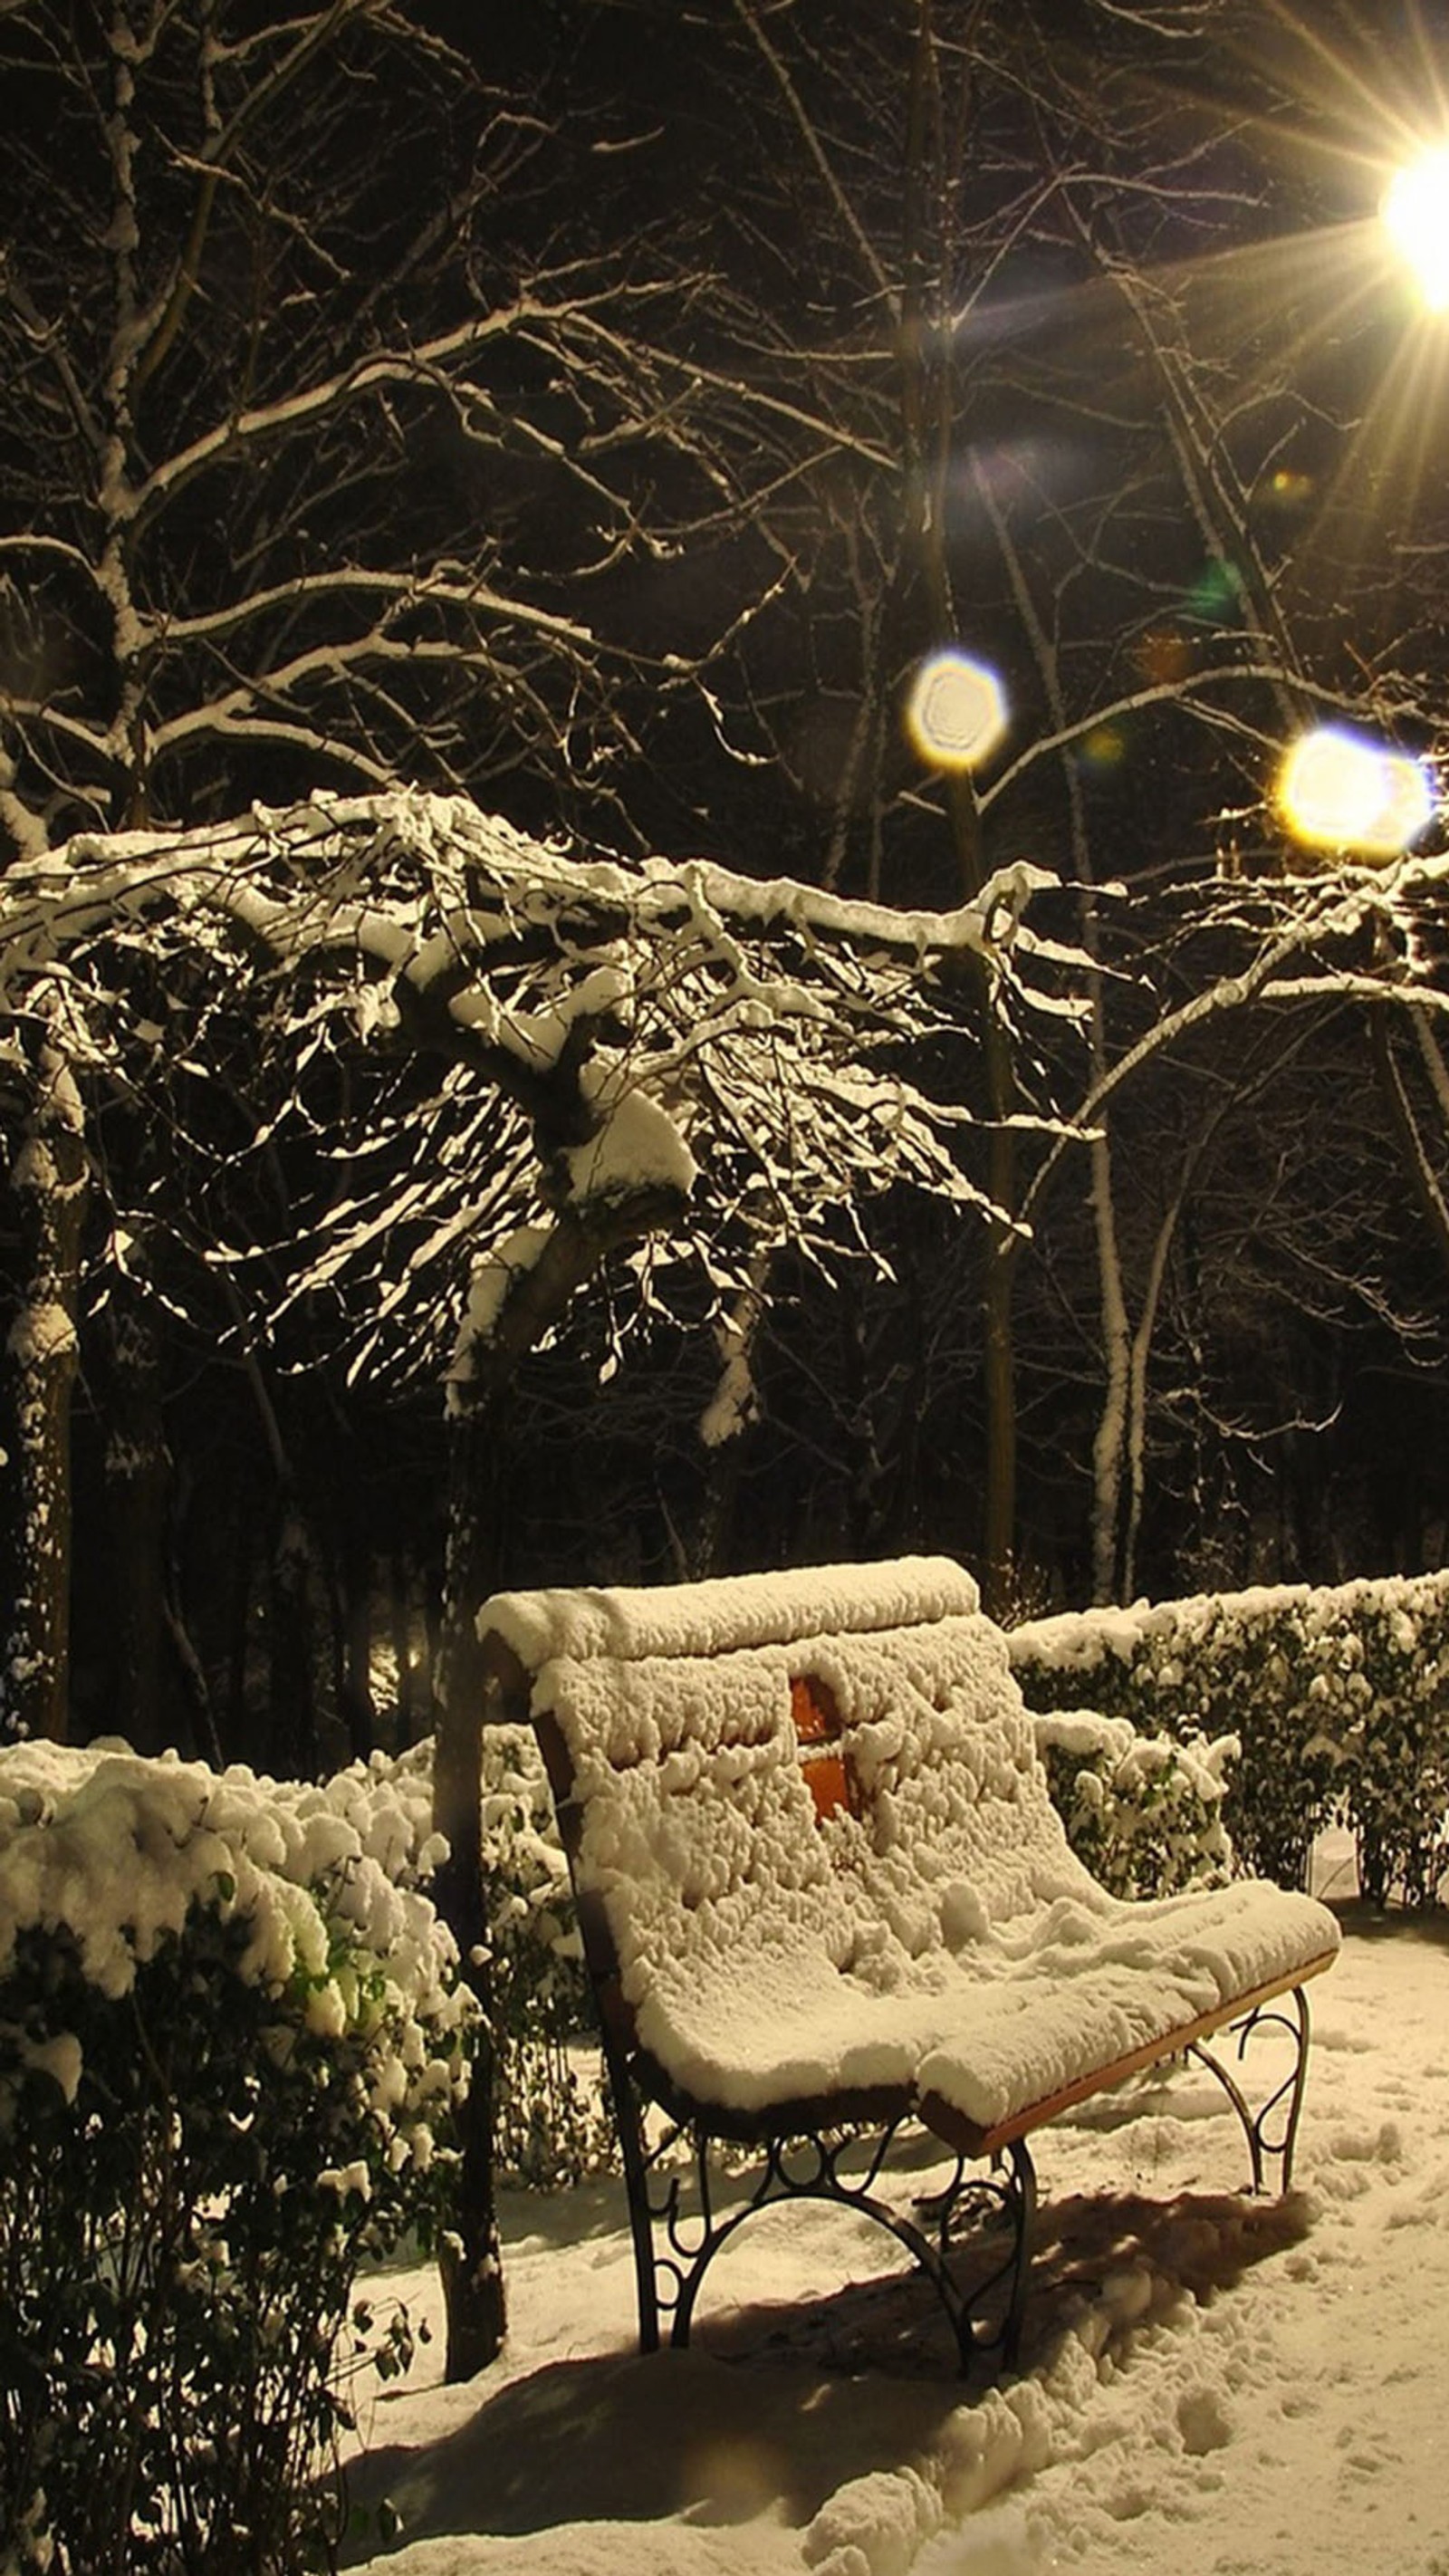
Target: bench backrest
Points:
(839, 1758)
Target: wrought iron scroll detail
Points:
(1272, 2129)
(678, 2225)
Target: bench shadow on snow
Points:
(773, 2404)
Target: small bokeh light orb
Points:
(1416, 216)
(956, 712)
(1339, 790)
(1103, 750)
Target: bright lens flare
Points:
(1338, 791)
(956, 713)
(1416, 213)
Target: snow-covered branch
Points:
(596, 1050)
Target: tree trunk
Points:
(1419, 1170)
(581, 1239)
(346, 1559)
(290, 1727)
(472, 2265)
(138, 1493)
(998, 1325)
(727, 1422)
(48, 1179)
(400, 1623)
(239, 1635)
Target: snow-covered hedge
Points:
(1339, 1700)
(231, 2042)
(1143, 1812)
(550, 2127)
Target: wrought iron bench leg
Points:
(629, 2119)
(970, 2195)
(1023, 2214)
(674, 2246)
(1272, 2130)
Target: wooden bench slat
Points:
(945, 2121)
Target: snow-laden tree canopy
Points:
(400, 1063)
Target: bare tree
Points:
(1281, 1084)
(320, 439)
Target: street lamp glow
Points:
(956, 713)
(1339, 791)
(1416, 213)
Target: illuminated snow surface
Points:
(1208, 2385)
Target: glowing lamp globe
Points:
(1416, 215)
(956, 712)
(1339, 790)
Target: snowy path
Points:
(1328, 2372)
(1209, 2386)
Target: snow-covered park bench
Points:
(823, 1891)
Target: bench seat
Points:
(994, 2037)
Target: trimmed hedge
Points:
(550, 2127)
(1143, 1812)
(1339, 1700)
(231, 2042)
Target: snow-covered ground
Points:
(1208, 2385)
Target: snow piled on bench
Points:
(738, 1610)
(944, 1940)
